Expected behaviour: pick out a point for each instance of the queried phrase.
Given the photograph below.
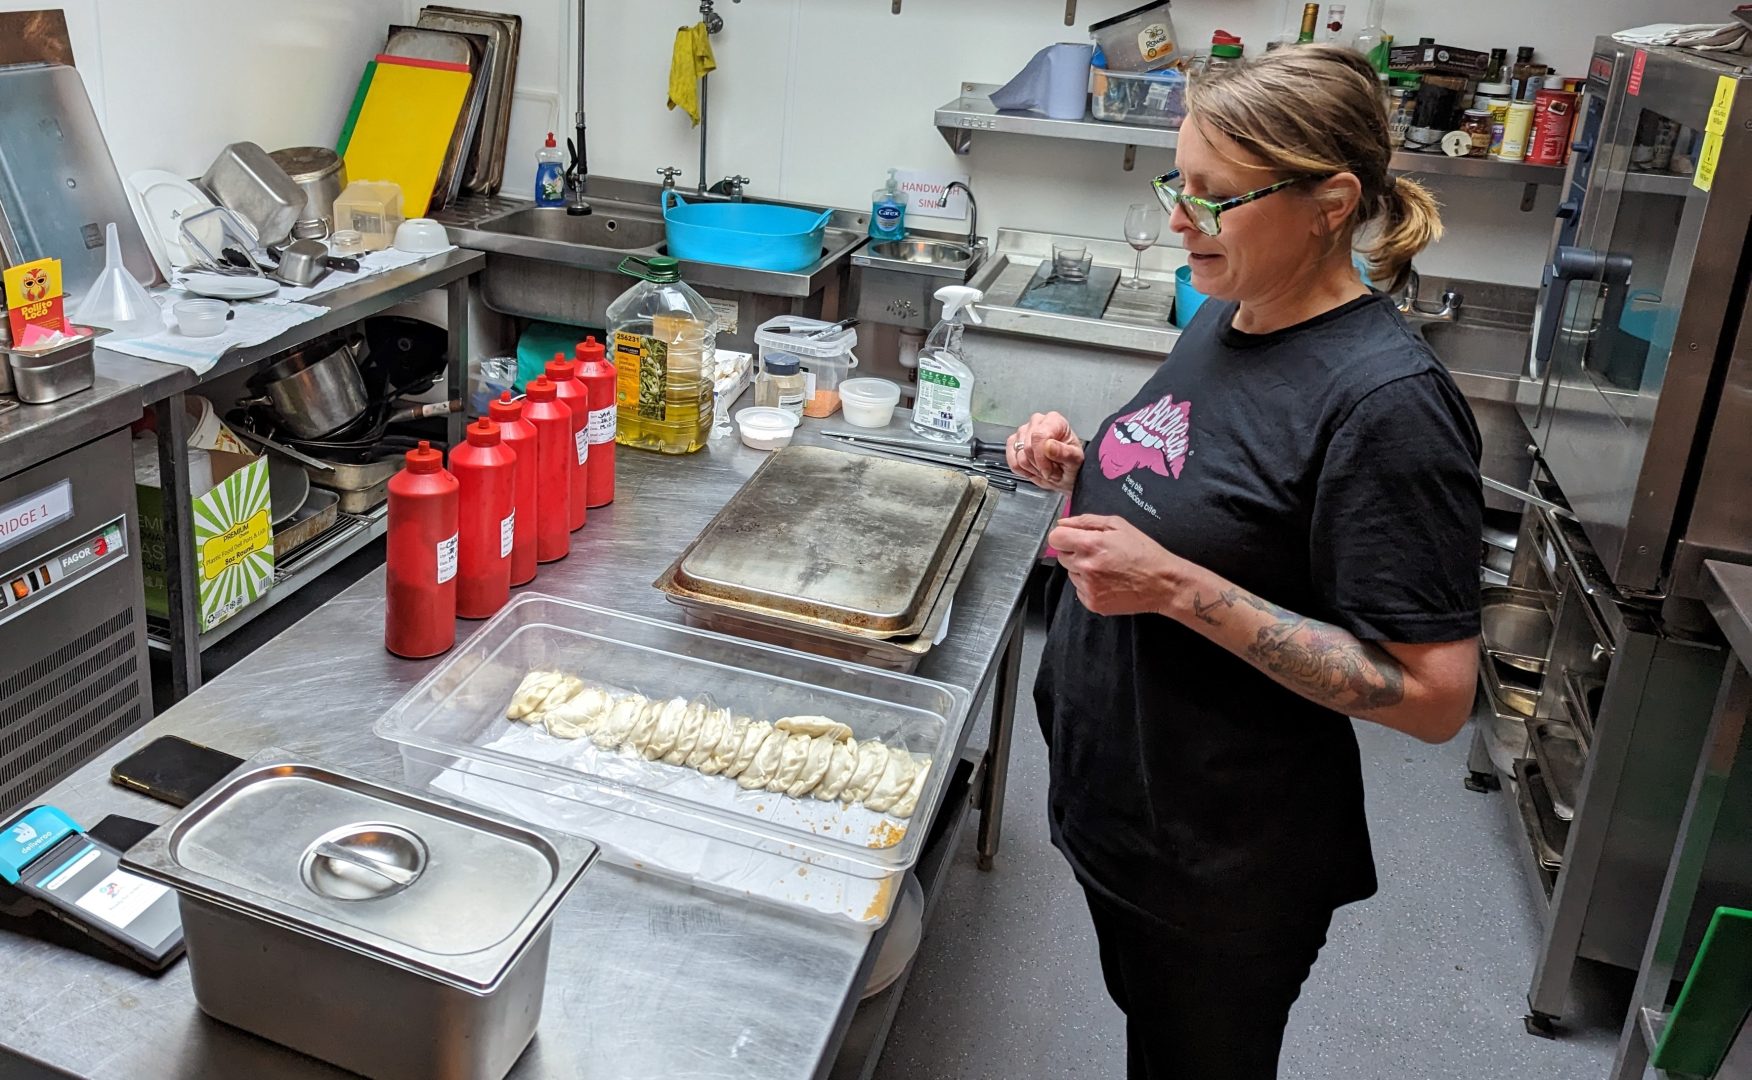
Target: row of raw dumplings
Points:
(795, 756)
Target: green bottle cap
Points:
(659, 269)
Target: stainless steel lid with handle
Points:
(449, 893)
(844, 539)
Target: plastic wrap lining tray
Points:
(847, 555)
(796, 853)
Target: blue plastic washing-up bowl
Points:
(754, 235)
(1187, 300)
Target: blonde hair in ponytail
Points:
(1316, 110)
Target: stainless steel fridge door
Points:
(1645, 324)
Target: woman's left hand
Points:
(1115, 568)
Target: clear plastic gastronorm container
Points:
(1154, 98)
(650, 816)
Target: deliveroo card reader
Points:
(47, 863)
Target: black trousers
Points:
(1197, 1011)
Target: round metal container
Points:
(316, 390)
(323, 176)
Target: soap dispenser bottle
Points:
(888, 211)
(550, 185)
(944, 407)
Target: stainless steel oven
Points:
(1641, 368)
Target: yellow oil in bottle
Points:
(663, 337)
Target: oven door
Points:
(1644, 306)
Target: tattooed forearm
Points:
(1315, 659)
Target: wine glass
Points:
(1143, 227)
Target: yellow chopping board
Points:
(405, 125)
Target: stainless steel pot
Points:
(317, 390)
(364, 924)
(323, 176)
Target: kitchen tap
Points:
(730, 186)
(668, 173)
(1409, 307)
(972, 212)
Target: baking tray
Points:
(850, 543)
(450, 47)
(486, 160)
(318, 514)
(1562, 759)
(893, 654)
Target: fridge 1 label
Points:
(601, 426)
(582, 438)
(507, 530)
(446, 559)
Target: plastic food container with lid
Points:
(455, 739)
(825, 357)
(869, 403)
(766, 428)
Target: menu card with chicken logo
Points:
(33, 297)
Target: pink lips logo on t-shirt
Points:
(1154, 437)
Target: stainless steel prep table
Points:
(162, 387)
(648, 978)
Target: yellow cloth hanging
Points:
(692, 60)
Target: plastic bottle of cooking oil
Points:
(664, 337)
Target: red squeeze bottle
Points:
(571, 393)
(516, 434)
(485, 471)
(421, 559)
(556, 457)
(597, 375)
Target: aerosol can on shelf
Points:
(944, 408)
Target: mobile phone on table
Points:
(173, 770)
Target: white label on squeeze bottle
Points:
(602, 425)
(507, 530)
(582, 438)
(447, 559)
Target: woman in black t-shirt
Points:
(1278, 533)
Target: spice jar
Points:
(782, 384)
(1398, 115)
(1476, 124)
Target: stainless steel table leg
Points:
(456, 354)
(1724, 750)
(997, 765)
(179, 529)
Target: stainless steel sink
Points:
(924, 252)
(1479, 350)
(622, 232)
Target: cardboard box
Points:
(233, 544)
(1439, 60)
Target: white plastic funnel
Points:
(117, 301)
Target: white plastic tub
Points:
(660, 818)
(869, 403)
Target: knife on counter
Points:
(967, 451)
(999, 476)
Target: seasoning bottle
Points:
(782, 384)
(1526, 77)
(598, 375)
(1225, 51)
(571, 393)
(1476, 124)
(1495, 71)
(555, 458)
(516, 435)
(420, 558)
(486, 481)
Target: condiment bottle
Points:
(555, 458)
(598, 375)
(485, 471)
(420, 562)
(516, 434)
(571, 393)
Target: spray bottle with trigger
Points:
(944, 408)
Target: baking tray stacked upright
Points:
(845, 555)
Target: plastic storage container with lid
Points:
(765, 427)
(663, 335)
(825, 359)
(869, 403)
(1141, 39)
(1155, 99)
(373, 209)
(455, 739)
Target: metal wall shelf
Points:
(973, 112)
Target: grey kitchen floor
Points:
(1426, 981)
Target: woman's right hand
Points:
(1047, 452)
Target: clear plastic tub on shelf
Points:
(804, 854)
(1151, 98)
